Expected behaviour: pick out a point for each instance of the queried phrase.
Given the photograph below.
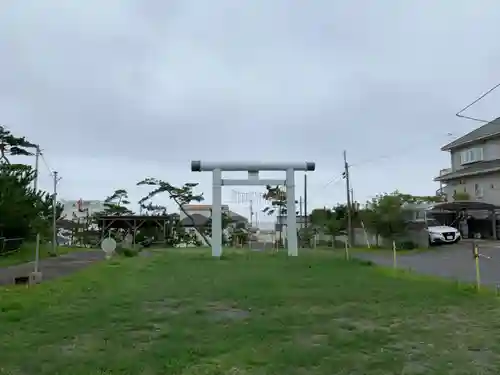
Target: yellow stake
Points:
(478, 273)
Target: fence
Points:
(10, 245)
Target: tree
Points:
(180, 195)
(239, 235)
(115, 204)
(385, 215)
(461, 196)
(153, 209)
(23, 211)
(12, 145)
(276, 196)
(331, 222)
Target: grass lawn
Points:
(254, 313)
(27, 254)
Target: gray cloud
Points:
(118, 90)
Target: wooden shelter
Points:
(134, 223)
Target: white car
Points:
(439, 234)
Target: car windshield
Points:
(433, 223)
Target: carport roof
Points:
(464, 205)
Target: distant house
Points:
(196, 220)
(205, 211)
(281, 221)
(475, 165)
(199, 216)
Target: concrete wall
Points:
(362, 238)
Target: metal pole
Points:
(291, 215)
(301, 213)
(305, 201)
(217, 213)
(54, 212)
(37, 252)
(348, 192)
(35, 187)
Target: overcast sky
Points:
(115, 91)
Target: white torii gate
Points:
(253, 169)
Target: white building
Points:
(75, 209)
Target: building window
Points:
(471, 155)
(478, 190)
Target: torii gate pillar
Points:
(253, 169)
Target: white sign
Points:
(108, 245)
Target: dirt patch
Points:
(143, 338)
(164, 306)
(220, 311)
(81, 344)
(313, 340)
(359, 325)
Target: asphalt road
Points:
(450, 261)
(53, 267)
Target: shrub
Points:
(129, 253)
(406, 245)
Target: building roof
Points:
(489, 130)
(196, 220)
(237, 217)
(201, 207)
(464, 205)
(471, 170)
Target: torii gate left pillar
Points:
(253, 169)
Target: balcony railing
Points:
(444, 171)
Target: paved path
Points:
(53, 267)
(451, 261)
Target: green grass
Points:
(188, 314)
(383, 250)
(27, 254)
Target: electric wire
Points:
(459, 113)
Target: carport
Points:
(469, 206)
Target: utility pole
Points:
(301, 213)
(348, 192)
(35, 187)
(251, 213)
(37, 164)
(305, 201)
(54, 212)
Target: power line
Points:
(46, 164)
(459, 113)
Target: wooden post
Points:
(475, 252)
